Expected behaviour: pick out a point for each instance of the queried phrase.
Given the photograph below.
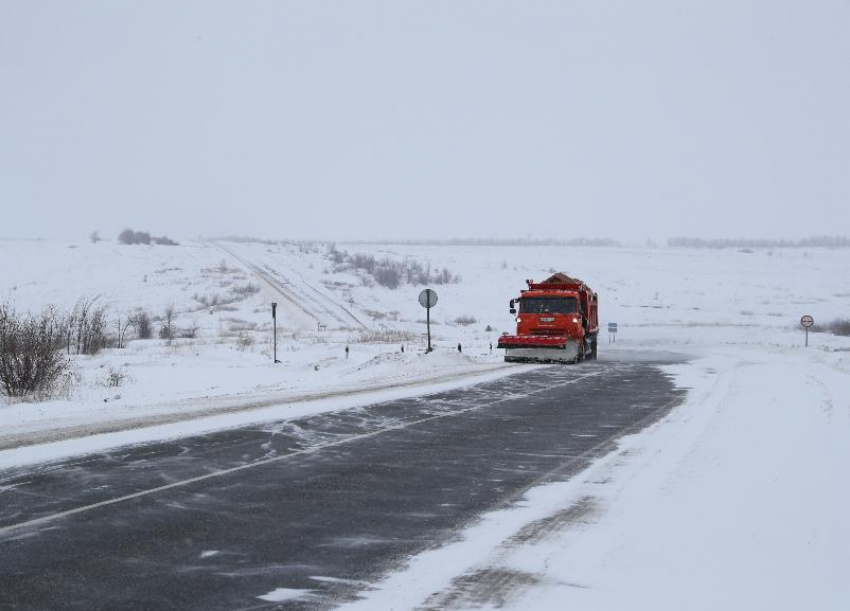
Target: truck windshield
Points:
(548, 305)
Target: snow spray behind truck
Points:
(557, 322)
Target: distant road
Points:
(313, 303)
(313, 509)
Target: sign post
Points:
(428, 299)
(612, 332)
(274, 324)
(807, 321)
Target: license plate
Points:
(547, 319)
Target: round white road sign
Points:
(807, 321)
(428, 298)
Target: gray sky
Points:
(427, 119)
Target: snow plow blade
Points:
(533, 341)
(539, 349)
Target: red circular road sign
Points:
(807, 321)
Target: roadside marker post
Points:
(807, 321)
(428, 299)
(274, 325)
(612, 333)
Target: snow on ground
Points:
(685, 300)
(736, 499)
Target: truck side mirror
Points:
(513, 307)
(513, 310)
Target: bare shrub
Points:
(465, 320)
(444, 276)
(375, 314)
(227, 308)
(307, 247)
(237, 293)
(141, 322)
(166, 324)
(245, 291)
(208, 301)
(244, 341)
(115, 377)
(86, 327)
(30, 352)
(238, 324)
(392, 315)
(386, 336)
(839, 326)
(389, 273)
(190, 332)
(335, 255)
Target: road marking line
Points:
(311, 450)
(16, 440)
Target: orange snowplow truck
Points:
(557, 322)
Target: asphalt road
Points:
(326, 504)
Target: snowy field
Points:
(736, 500)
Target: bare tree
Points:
(94, 237)
(141, 322)
(166, 329)
(122, 327)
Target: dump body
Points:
(557, 321)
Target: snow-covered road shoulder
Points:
(735, 500)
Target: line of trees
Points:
(590, 242)
(838, 326)
(825, 241)
(128, 236)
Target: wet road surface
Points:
(326, 504)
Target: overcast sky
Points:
(430, 119)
